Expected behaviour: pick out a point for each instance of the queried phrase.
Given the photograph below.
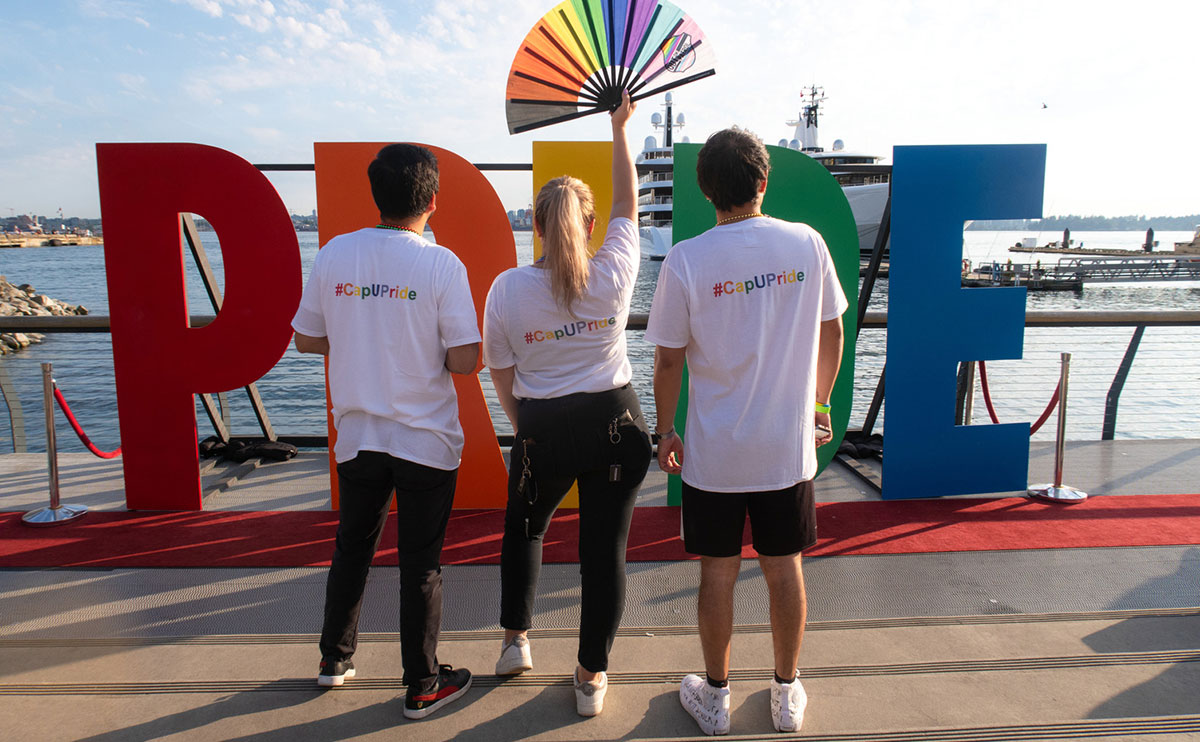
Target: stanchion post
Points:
(969, 401)
(57, 512)
(1057, 491)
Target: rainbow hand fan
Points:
(583, 53)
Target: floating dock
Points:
(1071, 274)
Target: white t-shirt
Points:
(746, 300)
(391, 303)
(556, 354)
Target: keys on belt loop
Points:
(523, 488)
(525, 485)
(614, 432)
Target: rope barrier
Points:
(62, 403)
(987, 400)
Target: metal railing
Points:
(871, 321)
(637, 321)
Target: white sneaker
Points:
(589, 695)
(709, 706)
(787, 705)
(515, 657)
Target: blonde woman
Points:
(554, 339)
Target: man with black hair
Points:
(393, 313)
(754, 307)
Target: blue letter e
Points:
(933, 323)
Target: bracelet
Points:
(823, 408)
(667, 434)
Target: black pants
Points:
(423, 499)
(569, 441)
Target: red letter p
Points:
(159, 361)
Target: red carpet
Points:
(291, 539)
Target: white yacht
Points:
(867, 192)
(655, 169)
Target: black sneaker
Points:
(450, 685)
(334, 672)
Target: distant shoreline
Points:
(19, 241)
(1090, 224)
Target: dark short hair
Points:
(729, 167)
(404, 177)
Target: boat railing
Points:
(657, 200)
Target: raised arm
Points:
(624, 177)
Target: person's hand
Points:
(823, 427)
(670, 453)
(621, 116)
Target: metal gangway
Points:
(1127, 269)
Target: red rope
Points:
(987, 400)
(987, 394)
(1046, 415)
(62, 403)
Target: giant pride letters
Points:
(160, 362)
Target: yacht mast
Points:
(668, 124)
(806, 125)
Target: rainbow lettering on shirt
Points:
(374, 291)
(761, 281)
(568, 330)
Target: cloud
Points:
(127, 10)
(257, 22)
(264, 134)
(208, 7)
(134, 85)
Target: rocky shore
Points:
(23, 301)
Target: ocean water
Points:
(1157, 401)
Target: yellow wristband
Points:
(823, 408)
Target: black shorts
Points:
(783, 522)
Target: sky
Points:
(1109, 88)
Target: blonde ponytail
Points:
(564, 211)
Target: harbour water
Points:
(1157, 401)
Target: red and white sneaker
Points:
(450, 685)
(334, 672)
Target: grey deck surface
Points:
(1037, 644)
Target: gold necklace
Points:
(397, 228)
(739, 217)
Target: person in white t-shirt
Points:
(754, 307)
(393, 314)
(554, 339)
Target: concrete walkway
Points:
(1020, 645)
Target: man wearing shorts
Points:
(754, 307)
(393, 313)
